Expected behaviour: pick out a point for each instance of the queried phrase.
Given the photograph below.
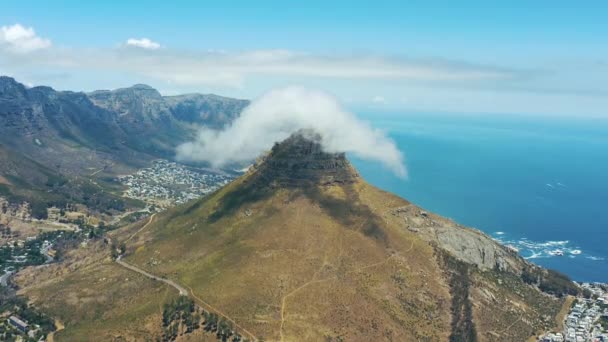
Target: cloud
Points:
(378, 99)
(20, 39)
(234, 68)
(143, 43)
(279, 113)
(428, 83)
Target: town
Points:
(587, 320)
(19, 320)
(168, 183)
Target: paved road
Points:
(182, 291)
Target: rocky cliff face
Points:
(142, 104)
(212, 110)
(58, 128)
(137, 104)
(165, 121)
(47, 124)
(466, 244)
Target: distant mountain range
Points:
(52, 141)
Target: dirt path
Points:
(150, 221)
(103, 168)
(182, 291)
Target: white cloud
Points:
(281, 112)
(20, 39)
(426, 83)
(378, 99)
(234, 69)
(143, 43)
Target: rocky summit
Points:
(300, 160)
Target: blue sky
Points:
(541, 57)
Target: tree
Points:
(114, 251)
(197, 320)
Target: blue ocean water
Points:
(539, 184)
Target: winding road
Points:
(182, 291)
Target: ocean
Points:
(539, 184)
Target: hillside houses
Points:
(167, 183)
(583, 322)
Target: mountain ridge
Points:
(74, 133)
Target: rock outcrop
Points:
(301, 160)
(465, 244)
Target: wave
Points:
(530, 249)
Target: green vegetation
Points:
(29, 254)
(459, 280)
(19, 256)
(604, 322)
(550, 281)
(132, 218)
(18, 306)
(59, 191)
(180, 316)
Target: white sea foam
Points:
(534, 256)
(530, 249)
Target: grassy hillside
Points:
(327, 262)
(281, 265)
(318, 254)
(23, 179)
(95, 299)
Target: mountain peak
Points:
(143, 90)
(9, 88)
(301, 160)
(138, 90)
(7, 79)
(141, 86)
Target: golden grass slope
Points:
(287, 268)
(96, 299)
(299, 261)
